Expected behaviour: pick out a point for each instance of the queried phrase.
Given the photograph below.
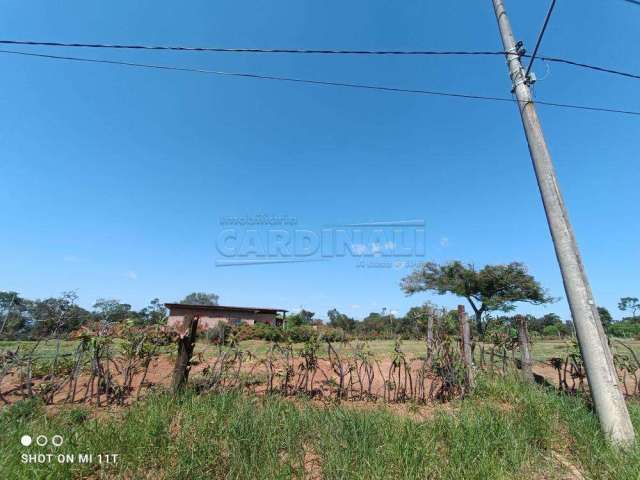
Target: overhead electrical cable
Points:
(316, 52)
(315, 82)
(251, 50)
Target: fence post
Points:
(429, 338)
(186, 343)
(465, 334)
(525, 351)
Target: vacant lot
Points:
(386, 379)
(381, 349)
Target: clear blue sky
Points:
(114, 180)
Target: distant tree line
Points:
(413, 325)
(491, 292)
(23, 318)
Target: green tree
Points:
(416, 321)
(13, 321)
(537, 324)
(374, 322)
(555, 330)
(551, 319)
(630, 303)
(200, 298)
(109, 310)
(303, 317)
(605, 318)
(494, 288)
(341, 320)
(57, 315)
(381, 323)
(154, 314)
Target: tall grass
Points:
(504, 430)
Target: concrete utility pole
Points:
(601, 373)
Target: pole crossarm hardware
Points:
(601, 373)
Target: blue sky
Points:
(114, 180)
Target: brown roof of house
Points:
(219, 308)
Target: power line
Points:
(252, 50)
(544, 28)
(317, 82)
(316, 51)
(587, 66)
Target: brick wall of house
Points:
(211, 319)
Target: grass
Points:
(506, 429)
(46, 348)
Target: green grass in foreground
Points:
(505, 430)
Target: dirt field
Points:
(381, 349)
(542, 349)
(255, 371)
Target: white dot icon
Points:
(25, 440)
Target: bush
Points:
(331, 334)
(555, 330)
(550, 331)
(368, 335)
(246, 332)
(219, 334)
(76, 415)
(300, 334)
(264, 331)
(269, 332)
(625, 329)
(44, 366)
(23, 409)
(260, 331)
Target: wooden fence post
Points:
(465, 334)
(525, 352)
(186, 343)
(429, 339)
